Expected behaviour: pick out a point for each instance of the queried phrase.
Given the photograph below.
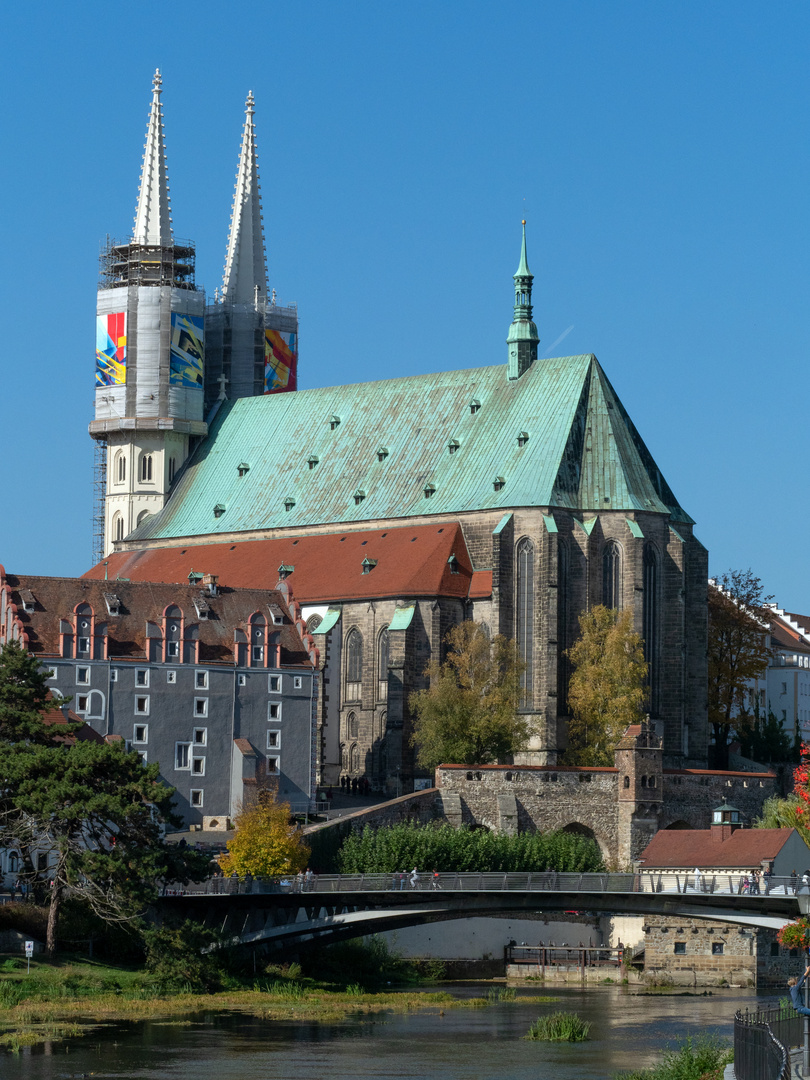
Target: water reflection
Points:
(627, 1030)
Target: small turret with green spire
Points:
(523, 337)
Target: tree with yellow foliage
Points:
(266, 843)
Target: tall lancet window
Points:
(524, 618)
(650, 622)
(563, 632)
(611, 575)
(354, 665)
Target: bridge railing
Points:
(761, 1042)
(538, 881)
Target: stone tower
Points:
(149, 352)
(251, 340)
(640, 764)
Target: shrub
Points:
(701, 1058)
(559, 1027)
(175, 960)
(390, 849)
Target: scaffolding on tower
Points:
(99, 496)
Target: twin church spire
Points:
(245, 277)
(523, 337)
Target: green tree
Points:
(607, 688)
(738, 654)
(266, 842)
(765, 739)
(96, 817)
(24, 694)
(786, 813)
(469, 715)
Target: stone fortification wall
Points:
(691, 795)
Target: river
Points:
(627, 1031)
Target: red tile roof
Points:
(56, 717)
(328, 567)
(688, 848)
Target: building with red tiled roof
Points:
(187, 675)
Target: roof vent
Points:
(498, 483)
(359, 495)
(284, 571)
(28, 600)
(219, 510)
(475, 405)
(289, 503)
(312, 460)
(429, 490)
(110, 599)
(452, 562)
(453, 445)
(194, 577)
(522, 438)
(368, 565)
(382, 453)
(243, 468)
(334, 421)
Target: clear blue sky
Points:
(659, 152)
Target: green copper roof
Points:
(523, 269)
(577, 450)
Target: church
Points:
(518, 494)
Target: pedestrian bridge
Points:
(287, 913)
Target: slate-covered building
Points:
(217, 685)
(524, 490)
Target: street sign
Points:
(29, 948)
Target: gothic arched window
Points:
(524, 617)
(354, 665)
(563, 631)
(353, 726)
(383, 651)
(120, 467)
(611, 575)
(146, 468)
(649, 621)
(354, 759)
(118, 527)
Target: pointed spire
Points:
(245, 280)
(523, 270)
(523, 336)
(153, 218)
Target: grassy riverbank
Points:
(69, 999)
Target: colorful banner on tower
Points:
(280, 361)
(186, 367)
(111, 349)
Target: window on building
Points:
(198, 766)
(774, 948)
(354, 665)
(274, 683)
(196, 797)
(201, 706)
(142, 756)
(172, 469)
(273, 739)
(113, 674)
(182, 755)
(717, 948)
(200, 736)
(298, 682)
(242, 680)
(274, 710)
(84, 645)
(611, 575)
(141, 677)
(146, 468)
(272, 766)
(51, 673)
(680, 948)
(140, 733)
(142, 705)
(201, 680)
(81, 703)
(383, 652)
(258, 654)
(524, 617)
(83, 676)
(173, 648)
(118, 527)
(120, 467)
(649, 618)
(171, 676)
